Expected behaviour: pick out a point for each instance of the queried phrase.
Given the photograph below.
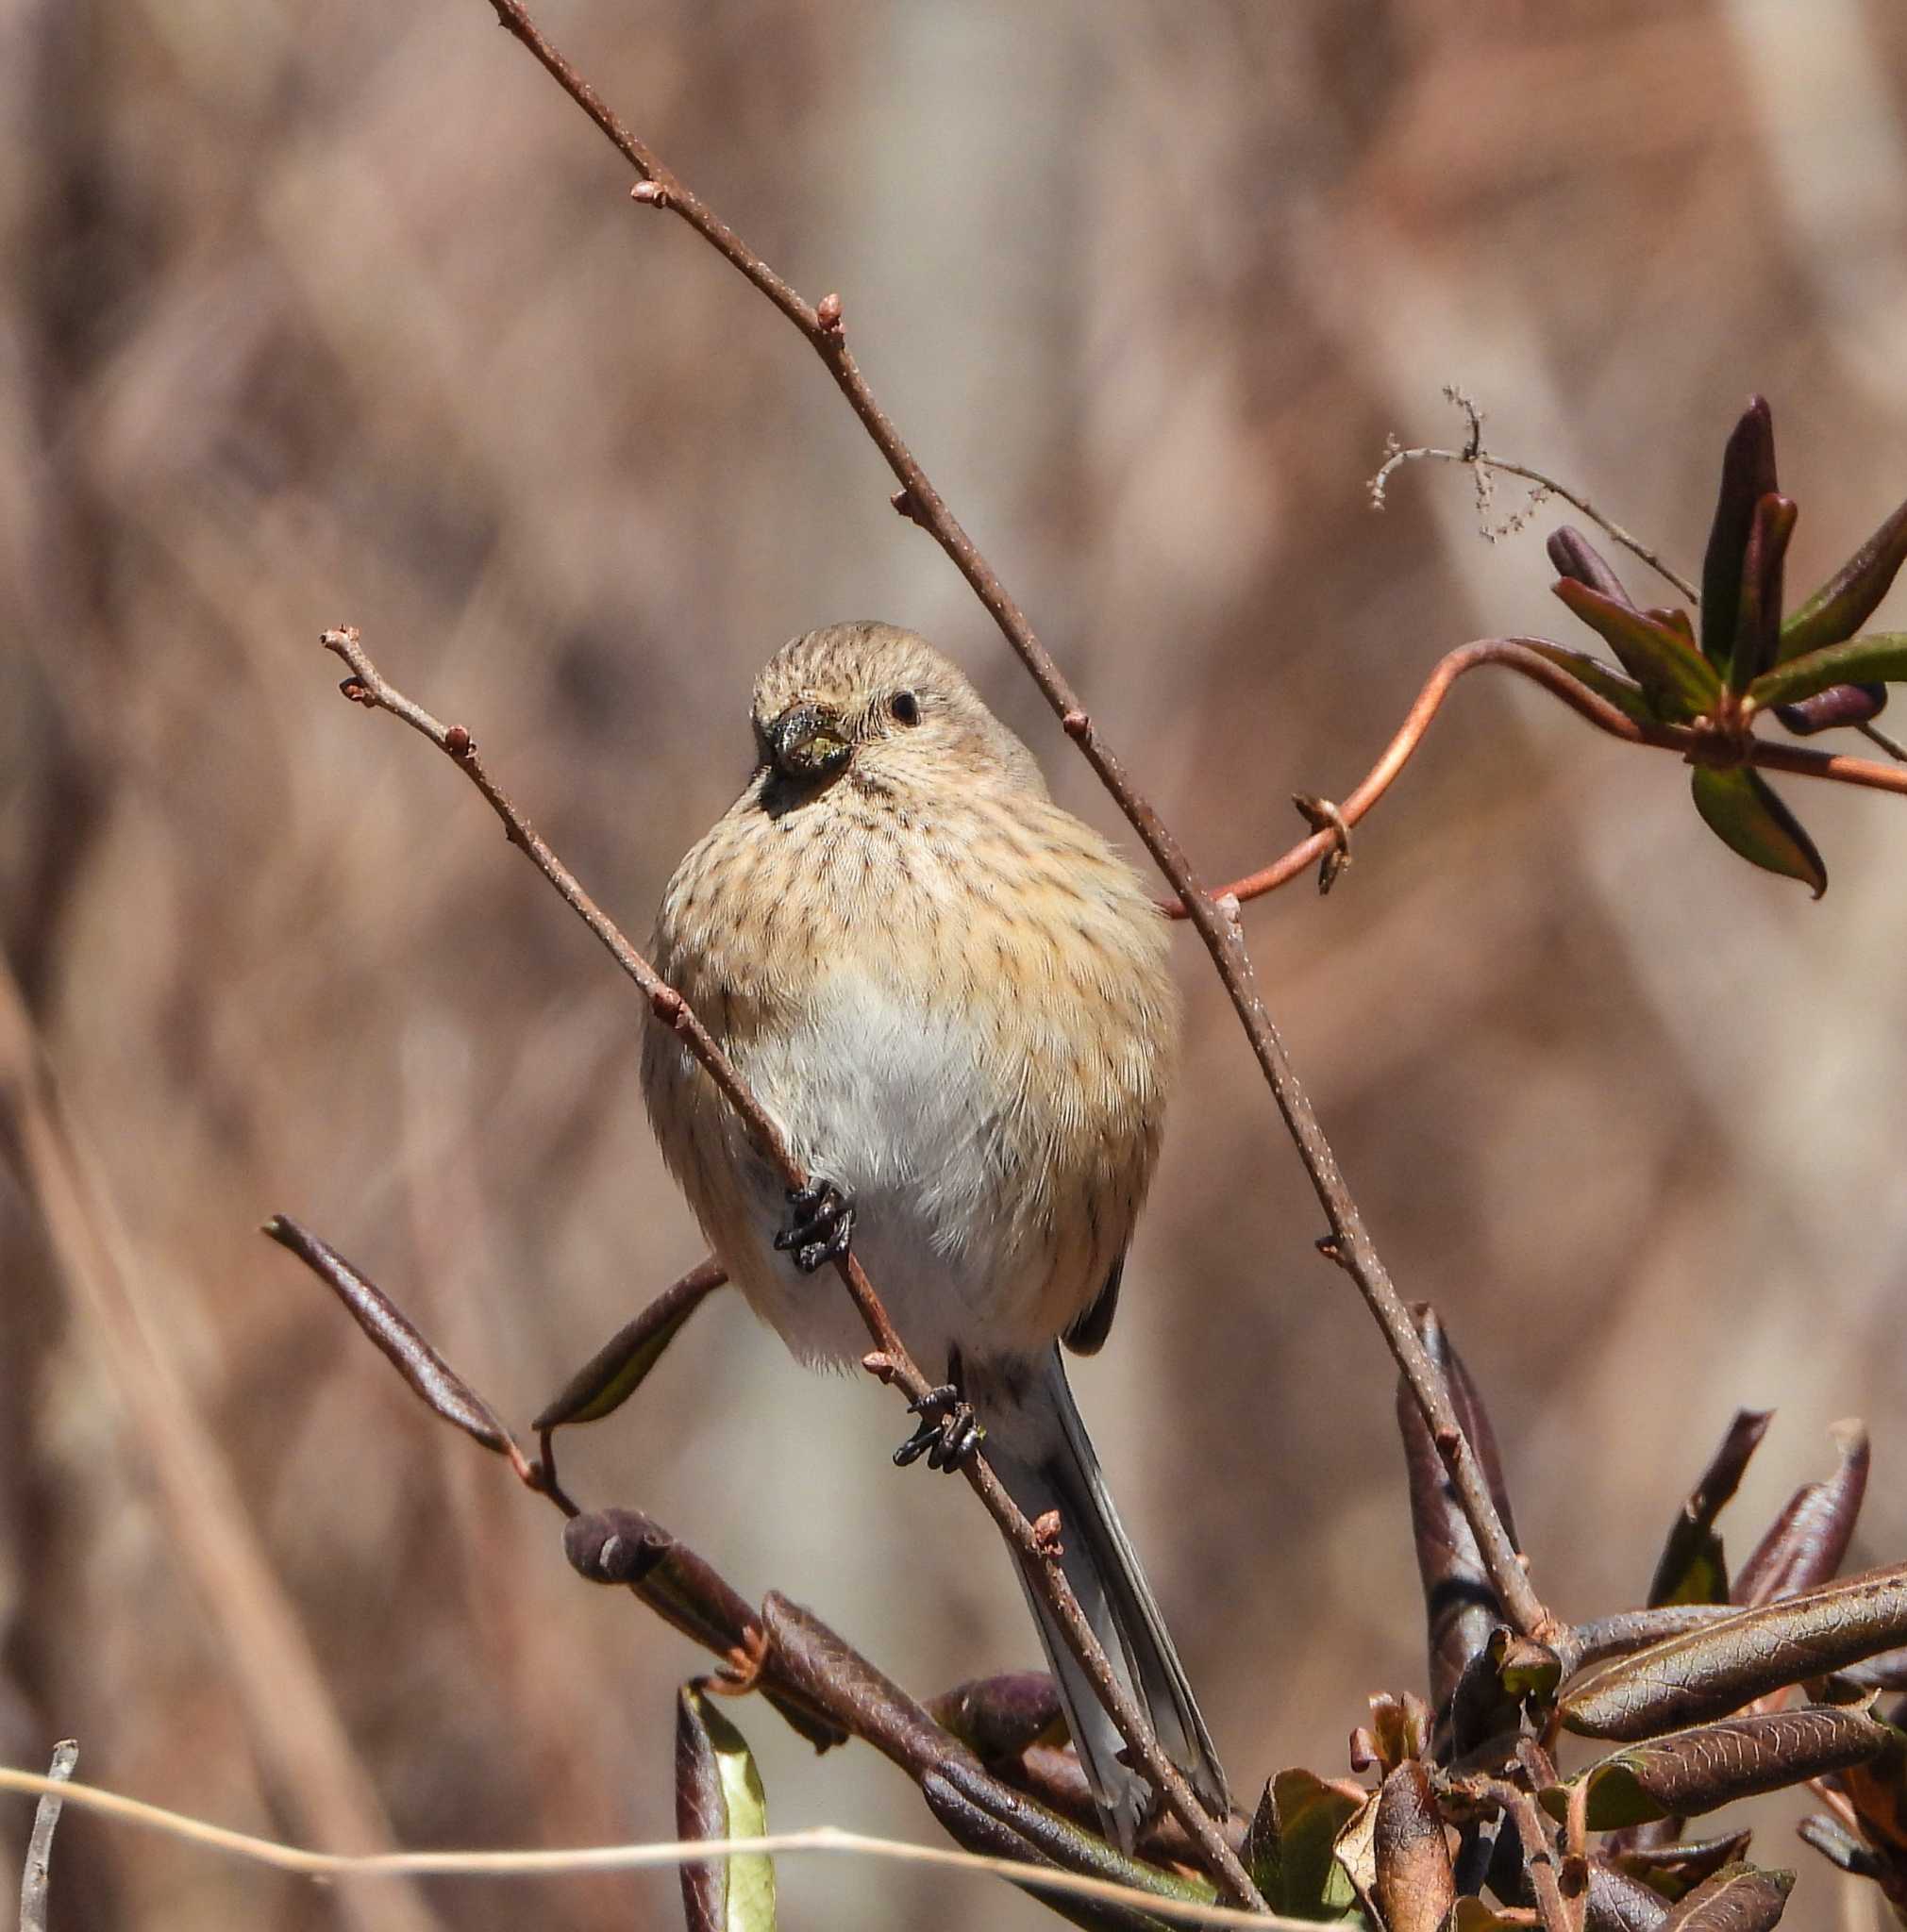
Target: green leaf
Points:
(718, 1794)
(1747, 475)
(1745, 814)
(1624, 694)
(1681, 684)
(1288, 1850)
(1850, 596)
(1879, 656)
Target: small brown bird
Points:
(952, 997)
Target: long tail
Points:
(1038, 1447)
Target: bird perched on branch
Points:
(952, 998)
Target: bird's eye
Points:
(904, 708)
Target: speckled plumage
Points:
(952, 997)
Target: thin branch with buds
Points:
(822, 327)
(367, 686)
(1482, 465)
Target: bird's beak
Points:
(808, 744)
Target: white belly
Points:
(889, 1102)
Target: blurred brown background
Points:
(339, 313)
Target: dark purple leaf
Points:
(1710, 1672)
(1574, 556)
(1758, 616)
(976, 1827)
(1460, 1604)
(1807, 1543)
(1675, 1869)
(1747, 475)
(1739, 1898)
(997, 1718)
(1689, 1773)
(1617, 1903)
(1691, 1569)
(1835, 708)
(829, 1674)
(627, 1547)
(426, 1371)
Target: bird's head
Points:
(881, 708)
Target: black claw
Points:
(820, 1226)
(948, 1434)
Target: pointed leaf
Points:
(1877, 655)
(1852, 595)
(1745, 814)
(1676, 620)
(1711, 1672)
(985, 1815)
(1625, 695)
(380, 1318)
(1689, 1773)
(1675, 1869)
(1288, 1849)
(1681, 684)
(1808, 1542)
(617, 1369)
(1758, 616)
(1414, 1888)
(1739, 1898)
(1460, 1605)
(1692, 1569)
(718, 1794)
(1617, 1903)
(1747, 475)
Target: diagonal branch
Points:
(891, 1361)
(918, 499)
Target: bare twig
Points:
(634, 1857)
(1515, 653)
(1479, 460)
(36, 1874)
(1539, 1854)
(890, 1360)
(822, 328)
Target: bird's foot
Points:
(820, 1226)
(948, 1434)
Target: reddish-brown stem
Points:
(1515, 653)
(368, 686)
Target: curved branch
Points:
(1515, 653)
